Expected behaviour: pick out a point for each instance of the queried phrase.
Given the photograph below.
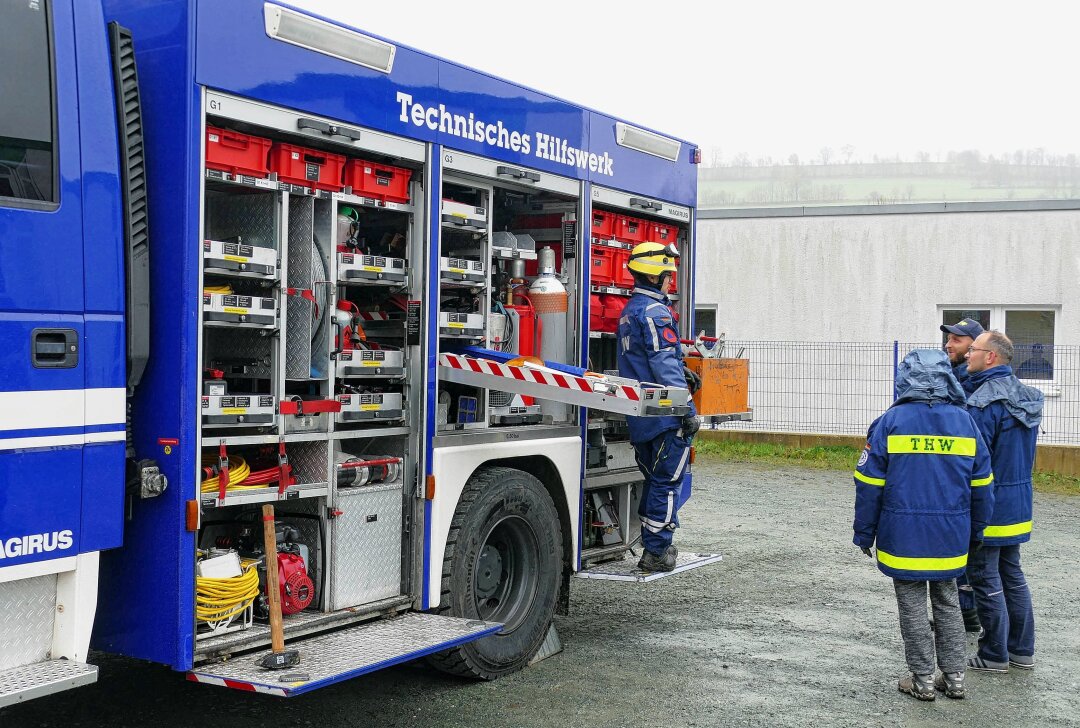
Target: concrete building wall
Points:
(862, 274)
(880, 277)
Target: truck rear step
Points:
(43, 678)
(627, 570)
(336, 656)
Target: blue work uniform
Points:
(649, 351)
(1008, 414)
(923, 483)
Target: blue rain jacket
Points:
(649, 351)
(923, 483)
(1008, 414)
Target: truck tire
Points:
(503, 563)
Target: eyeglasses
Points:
(975, 348)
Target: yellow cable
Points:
(225, 290)
(217, 600)
(238, 473)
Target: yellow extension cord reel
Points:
(219, 600)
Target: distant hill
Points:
(964, 178)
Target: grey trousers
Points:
(948, 632)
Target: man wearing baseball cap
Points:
(962, 335)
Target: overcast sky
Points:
(770, 77)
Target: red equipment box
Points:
(307, 167)
(381, 181)
(630, 229)
(623, 277)
(603, 224)
(603, 266)
(658, 232)
(236, 153)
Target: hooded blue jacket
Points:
(921, 485)
(649, 351)
(1008, 414)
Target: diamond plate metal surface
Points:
(354, 651)
(43, 678)
(627, 570)
(251, 217)
(28, 606)
(298, 340)
(309, 461)
(367, 553)
(249, 347)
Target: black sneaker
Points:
(950, 683)
(919, 686)
(664, 562)
(971, 620)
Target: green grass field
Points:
(838, 457)
(863, 190)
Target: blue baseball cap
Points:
(964, 327)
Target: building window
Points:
(27, 159)
(704, 320)
(1032, 331)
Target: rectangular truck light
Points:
(287, 25)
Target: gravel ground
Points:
(795, 627)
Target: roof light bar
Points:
(288, 25)
(646, 141)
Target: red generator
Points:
(307, 167)
(236, 153)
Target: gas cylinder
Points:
(550, 301)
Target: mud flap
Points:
(331, 658)
(43, 678)
(627, 570)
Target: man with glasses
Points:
(1007, 414)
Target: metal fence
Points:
(841, 387)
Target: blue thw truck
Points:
(250, 256)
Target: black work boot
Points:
(664, 562)
(971, 620)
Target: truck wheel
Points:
(503, 564)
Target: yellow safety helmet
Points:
(653, 259)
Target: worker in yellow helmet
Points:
(649, 350)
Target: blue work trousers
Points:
(1004, 603)
(967, 594)
(663, 462)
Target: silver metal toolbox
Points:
(367, 545)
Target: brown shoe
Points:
(950, 683)
(919, 686)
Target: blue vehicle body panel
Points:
(182, 47)
(41, 286)
(236, 55)
(155, 570)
